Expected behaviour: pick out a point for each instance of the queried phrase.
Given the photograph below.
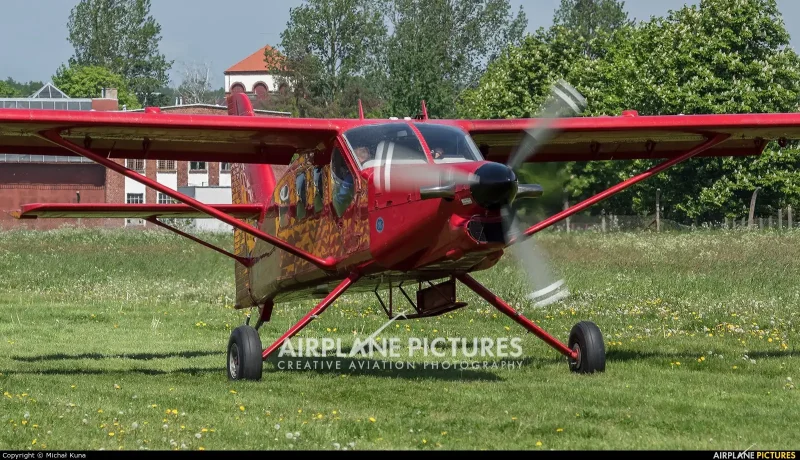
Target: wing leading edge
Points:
(631, 136)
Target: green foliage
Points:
(718, 57)
(20, 89)
(440, 47)
(89, 81)
(589, 18)
(122, 36)
(329, 46)
(335, 52)
(7, 90)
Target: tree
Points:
(717, 57)
(326, 43)
(196, 87)
(20, 89)
(516, 84)
(589, 18)
(7, 90)
(123, 37)
(89, 81)
(440, 47)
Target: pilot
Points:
(362, 154)
(438, 153)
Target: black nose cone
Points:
(496, 186)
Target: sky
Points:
(33, 37)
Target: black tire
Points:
(586, 338)
(244, 354)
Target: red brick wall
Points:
(150, 172)
(183, 173)
(213, 173)
(28, 183)
(115, 185)
(105, 104)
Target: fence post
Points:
(658, 209)
(603, 221)
(780, 218)
(752, 207)
(760, 223)
(789, 217)
(566, 206)
(769, 221)
(726, 223)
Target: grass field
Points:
(116, 340)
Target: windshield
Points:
(449, 144)
(393, 143)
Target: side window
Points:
(300, 191)
(319, 189)
(342, 180)
(283, 204)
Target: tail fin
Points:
(250, 184)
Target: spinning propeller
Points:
(494, 186)
(563, 101)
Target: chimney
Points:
(110, 93)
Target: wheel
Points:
(586, 339)
(244, 354)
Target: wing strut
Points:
(54, 137)
(246, 261)
(716, 139)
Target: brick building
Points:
(46, 178)
(66, 179)
(184, 176)
(251, 76)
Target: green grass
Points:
(114, 339)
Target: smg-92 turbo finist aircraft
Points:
(325, 206)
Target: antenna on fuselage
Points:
(424, 110)
(360, 110)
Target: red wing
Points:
(141, 211)
(234, 139)
(630, 137)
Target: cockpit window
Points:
(394, 143)
(449, 144)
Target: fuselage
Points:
(360, 202)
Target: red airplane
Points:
(323, 206)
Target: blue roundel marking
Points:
(379, 225)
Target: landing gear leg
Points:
(586, 350)
(326, 302)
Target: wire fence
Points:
(781, 220)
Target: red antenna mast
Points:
(360, 110)
(424, 110)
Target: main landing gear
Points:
(585, 350)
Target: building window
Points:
(165, 199)
(134, 198)
(197, 166)
(225, 167)
(136, 164)
(166, 165)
